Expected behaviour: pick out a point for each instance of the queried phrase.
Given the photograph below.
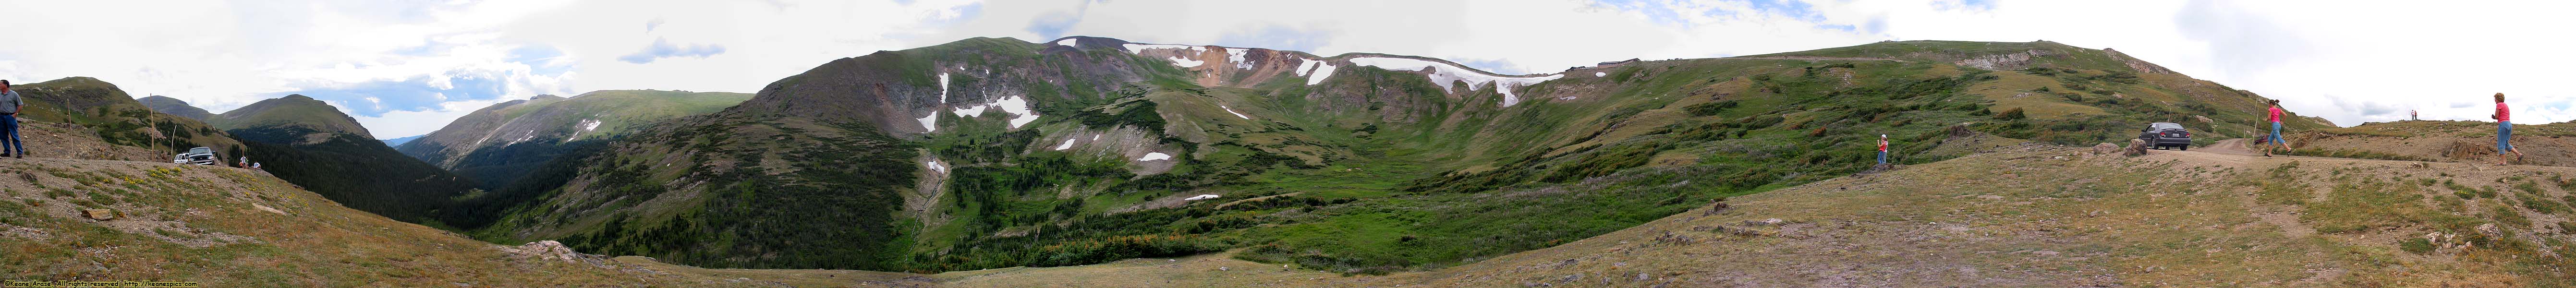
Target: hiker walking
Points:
(2504, 131)
(1882, 149)
(9, 106)
(2275, 138)
(244, 162)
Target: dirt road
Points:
(2229, 147)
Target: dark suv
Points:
(2166, 135)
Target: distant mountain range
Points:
(996, 152)
(498, 144)
(986, 152)
(397, 142)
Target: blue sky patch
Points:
(407, 95)
(1277, 37)
(1053, 24)
(1498, 66)
(662, 48)
(542, 59)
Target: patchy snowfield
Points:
(1315, 71)
(1230, 110)
(1445, 74)
(1021, 114)
(1186, 63)
(1155, 156)
(1235, 55)
(1068, 144)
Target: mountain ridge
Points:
(294, 110)
(497, 145)
(174, 106)
(1118, 133)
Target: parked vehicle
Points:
(2166, 136)
(197, 156)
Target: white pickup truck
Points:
(197, 156)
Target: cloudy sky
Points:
(408, 67)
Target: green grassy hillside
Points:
(291, 111)
(2022, 216)
(313, 145)
(1368, 169)
(116, 117)
(231, 227)
(175, 107)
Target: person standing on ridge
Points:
(2504, 131)
(1882, 149)
(2275, 138)
(9, 106)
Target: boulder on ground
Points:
(552, 251)
(99, 214)
(2136, 147)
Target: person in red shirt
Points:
(1882, 149)
(2275, 138)
(2504, 131)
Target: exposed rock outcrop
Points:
(549, 250)
(2008, 61)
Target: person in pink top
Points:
(2275, 138)
(2504, 131)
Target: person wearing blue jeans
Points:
(2504, 131)
(9, 106)
(1882, 149)
(2273, 114)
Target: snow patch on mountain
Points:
(586, 125)
(1068, 144)
(1139, 48)
(1600, 74)
(934, 166)
(1230, 110)
(1186, 63)
(1019, 107)
(1321, 71)
(1235, 55)
(1021, 112)
(971, 110)
(1315, 71)
(1155, 156)
(1445, 74)
(1069, 42)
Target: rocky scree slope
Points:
(987, 152)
